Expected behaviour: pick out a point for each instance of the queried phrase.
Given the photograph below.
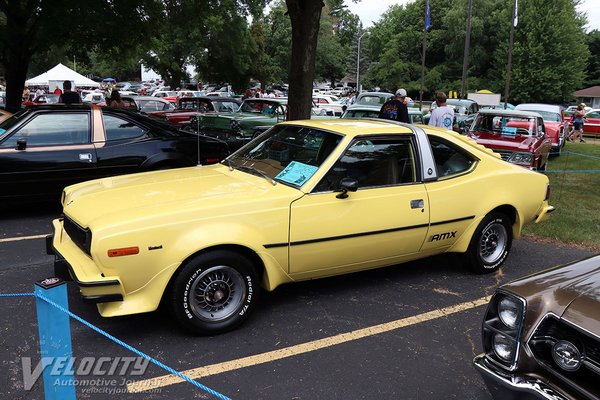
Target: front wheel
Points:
(214, 292)
(490, 244)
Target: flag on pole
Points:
(515, 17)
(428, 17)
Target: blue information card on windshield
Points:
(509, 131)
(296, 173)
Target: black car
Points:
(45, 148)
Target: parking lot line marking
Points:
(15, 239)
(214, 369)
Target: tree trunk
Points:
(16, 72)
(17, 47)
(305, 16)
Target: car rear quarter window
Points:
(449, 159)
(117, 128)
(228, 106)
(153, 105)
(52, 129)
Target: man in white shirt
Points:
(443, 115)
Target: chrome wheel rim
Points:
(493, 243)
(217, 293)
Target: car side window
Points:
(229, 106)
(153, 105)
(118, 128)
(373, 162)
(417, 118)
(53, 129)
(449, 160)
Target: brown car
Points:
(541, 335)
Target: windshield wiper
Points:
(229, 163)
(256, 171)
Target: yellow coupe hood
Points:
(164, 192)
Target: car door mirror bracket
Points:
(21, 144)
(348, 185)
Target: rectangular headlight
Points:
(521, 158)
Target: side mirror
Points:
(21, 144)
(348, 185)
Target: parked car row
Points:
(289, 208)
(47, 147)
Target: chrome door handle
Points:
(417, 203)
(85, 157)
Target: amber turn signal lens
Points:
(125, 251)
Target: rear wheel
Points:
(214, 292)
(490, 245)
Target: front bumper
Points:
(93, 285)
(504, 385)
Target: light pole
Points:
(358, 63)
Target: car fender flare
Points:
(271, 263)
(462, 244)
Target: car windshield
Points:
(257, 106)
(286, 153)
(371, 99)
(504, 125)
(361, 114)
(548, 116)
(12, 121)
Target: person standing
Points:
(115, 99)
(442, 115)
(578, 118)
(396, 108)
(26, 93)
(68, 96)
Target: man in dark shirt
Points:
(395, 108)
(68, 96)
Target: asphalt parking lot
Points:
(403, 332)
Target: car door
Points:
(45, 153)
(592, 123)
(126, 146)
(450, 196)
(383, 222)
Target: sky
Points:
(370, 11)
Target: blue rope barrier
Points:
(17, 294)
(581, 155)
(571, 170)
(120, 342)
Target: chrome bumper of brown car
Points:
(504, 385)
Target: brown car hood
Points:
(571, 291)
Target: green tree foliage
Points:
(49, 30)
(550, 54)
(226, 51)
(544, 67)
(331, 55)
(593, 69)
(278, 42)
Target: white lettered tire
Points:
(490, 244)
(214, 292)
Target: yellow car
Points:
(306, 199)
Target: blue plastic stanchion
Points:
(55, 340)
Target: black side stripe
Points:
(353, 235)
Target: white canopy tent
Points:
(61, 73)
